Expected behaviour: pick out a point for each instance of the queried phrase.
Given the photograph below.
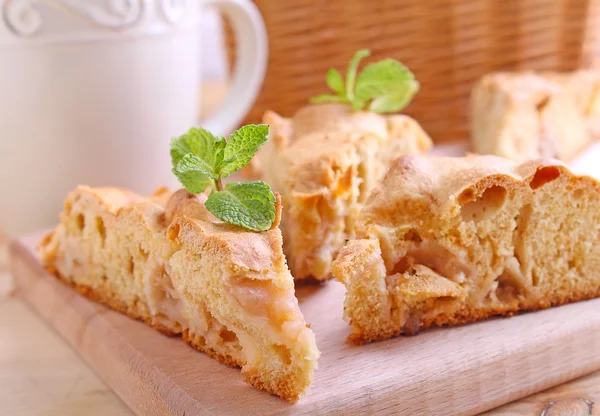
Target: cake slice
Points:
(445, 241)
(522, 116)
(167, 261)
(324, 161)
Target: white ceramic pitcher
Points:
(91, 92)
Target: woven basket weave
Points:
(448, 44)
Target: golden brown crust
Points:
(446, 241)
(468, 316)
(166, 261)
(285, 388)
(324, 162)
(202, 347)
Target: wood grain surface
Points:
(578, 398)
(40, 375)
(464, 370)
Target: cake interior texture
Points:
(167, 261)
(445, 241)
(324, 161)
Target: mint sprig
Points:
(386, 86)
(201, 160)
(245, 204)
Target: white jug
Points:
(92, 91)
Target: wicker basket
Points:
(448, 44)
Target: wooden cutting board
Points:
(461, 370)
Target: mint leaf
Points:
(386, 86)
(201, 143)
(194, 173)
(201, 160)
(335, 81)
(377, 76)
(327, 98)
(395, 99)
(250, 205)
(191, 162)
(388, 81)
(242, 146)
(351, 73)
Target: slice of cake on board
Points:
(166, 261)
(445, 241)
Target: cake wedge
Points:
(324, 161)
(166, 261)
(327, 157)
(446, 241)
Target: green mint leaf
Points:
(387, 81)
(352, 69)
(241, 147)
(201, 160)
(395, 99)
(219, 153)
(191, 162)
(386, 86)
(327, 98)
(201, 143)
(194, 173)
(335, 81)
(250, 205)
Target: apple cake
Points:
(584, 88)
(166, 261)
(523, 116)
(324, 162)
(445, 241)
